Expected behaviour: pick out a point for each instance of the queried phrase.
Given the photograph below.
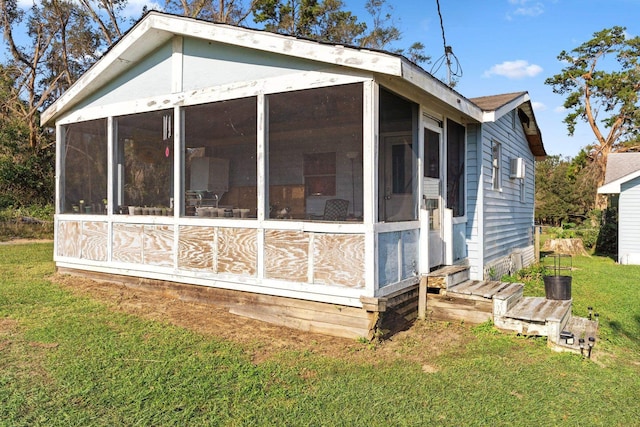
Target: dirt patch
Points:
(25, 241)
(420, 343)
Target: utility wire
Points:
(454, 69)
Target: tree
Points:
(64, 39)
(601, 82)
(26, 175)
(564, 189)
(225, 11)
(323, 20)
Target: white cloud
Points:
(525, 8)
(559, 109)
(514, 69)
(538, 106)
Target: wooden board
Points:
(69, 239)
(338, 259)
(127, 243)
(157, 246)
(462, 309)
(196, 247)
(237, 251)
(329, 319)
(94, 240)
(286, 255)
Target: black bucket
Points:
(557, 287)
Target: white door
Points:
(431, 212)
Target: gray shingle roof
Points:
(620, 165)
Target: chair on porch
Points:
(334, 210)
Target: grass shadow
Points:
(623, 332)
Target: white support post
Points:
(370, 183)
(263, 181)
(448, 232)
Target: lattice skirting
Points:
(517, 260)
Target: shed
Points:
(622, 180)
(299, 182)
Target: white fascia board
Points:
(614, 186)
(280, 44)
(494, 115)
(435, 87)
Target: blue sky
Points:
(512, 45)
(503, 46)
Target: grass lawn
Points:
(67, 359)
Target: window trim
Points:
(496, 165)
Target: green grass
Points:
(68, 360)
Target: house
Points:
(298, 182)
(622, 181)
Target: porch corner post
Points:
(370, 182)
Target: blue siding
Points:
(629, 222)
(203, 60)
(149, 77)
(508, 220)
(474, 166)
(397, 256)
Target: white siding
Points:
(508, 220)
(629, 223)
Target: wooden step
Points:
(448, 276)
(539, 309)
(479, 288)
(536, 316)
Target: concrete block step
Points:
(578, 327)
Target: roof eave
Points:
(156, 28)
(614, 187)
(426, 82)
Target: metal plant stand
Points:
(557, 286)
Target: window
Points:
(84, 188)
(496, 173)
(144, 177)
(455, 168)
(220, 178)
(315, 153)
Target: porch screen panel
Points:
(84, 178)
(144, 170)
(397, 157)
(315, 154)
(455, 168)
(220, 175)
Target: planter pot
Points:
(132, 210)
(557, 287)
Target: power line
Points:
(454, 69)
